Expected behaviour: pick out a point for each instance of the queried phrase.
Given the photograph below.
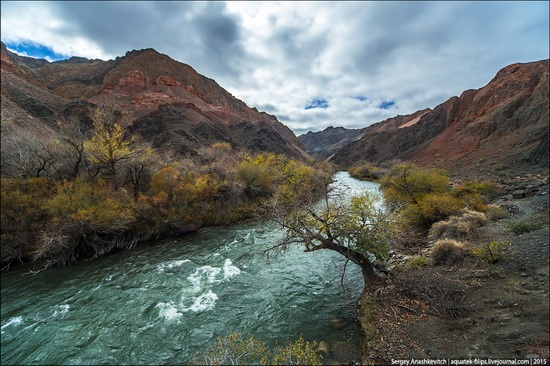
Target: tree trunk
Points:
(367, 269)
(369, 275)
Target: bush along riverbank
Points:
(58, 222)
(472, 282)
(89, 195)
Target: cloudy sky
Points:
(312, 64)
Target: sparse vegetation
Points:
(493, 251)
(495, 213)
(448, 251)
(444, 296)
(416, 263)
(236, 350)
(519, 228)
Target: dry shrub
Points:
(410, 237)
(416, 263)
(475, 217)
(458, 227)
(444, 296)
(448, 251)
(495, 213)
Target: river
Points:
(167, 302)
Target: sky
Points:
(312, 64)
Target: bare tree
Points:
(27, 154)
(138, 169)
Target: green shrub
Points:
(484, 188)
(367, 171)
(430, 208)
(523, 227)
(492, 252)
(424, 196)
(448, 251)
(405, 183)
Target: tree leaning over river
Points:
(358, 228)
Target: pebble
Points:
(523, 274)
(518, 194)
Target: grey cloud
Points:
(418, 54)
(269, 108)
(201, 34)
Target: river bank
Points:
(168, 301)
(502, 307)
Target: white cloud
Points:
(279, 55)
(40, 23)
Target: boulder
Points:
(520, 193)
(337, 323)
(323, 348)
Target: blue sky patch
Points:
(35, 50)
(361, 98)
(387, 104)
(316, 103)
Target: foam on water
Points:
(168, 311)
(61, 309)
(171, 265)
(204, 302)
(229, 270)
(12, 321)
(201, 274)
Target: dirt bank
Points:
(474, 308)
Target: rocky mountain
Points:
(324, 143)
(501, 126)
(165, 101)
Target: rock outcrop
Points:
(502, 126)
(324, 143)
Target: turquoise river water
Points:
(167, 302)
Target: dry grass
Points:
(458, 227)
(448, 251)
(495, 213)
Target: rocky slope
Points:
(503, 305)
(502, 126)
(165, 101)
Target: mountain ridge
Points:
(141, 83)
(500, 126)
